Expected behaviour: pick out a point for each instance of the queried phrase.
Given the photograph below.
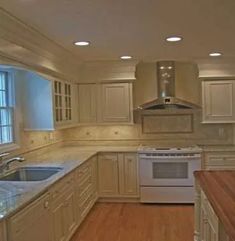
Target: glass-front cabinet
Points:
(62, 102)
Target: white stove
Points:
(166, 173)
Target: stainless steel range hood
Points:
(166, 90)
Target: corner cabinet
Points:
(218, 101)
(87, 103)
(48, 104)
(118, 175)
(105, 103)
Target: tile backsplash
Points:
(202, 134)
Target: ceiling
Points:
(133, 27)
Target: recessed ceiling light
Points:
(126, 57)
(215, 54)
(173, 39)
(82, 43)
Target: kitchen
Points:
(83, 109)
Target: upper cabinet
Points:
(105, 103)
(116, 102)
(64, 98)
(87, 101)
(218, 99)
(47, 104)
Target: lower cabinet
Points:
(207, 224)
(55, 215)
(63, 209)
(219, 161)
(209, 221)
(32, 223)
(118, 175)
(86, 187)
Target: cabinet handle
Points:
(46, 204)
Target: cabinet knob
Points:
(46, 204)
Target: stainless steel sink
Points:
(31, 174)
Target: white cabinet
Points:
(105, 103)
(86, 186)
(108, 174)
(116, 102)
(48, 104)
(87, 102)
(128, 181)
(218, 98)
(209, 221)
(219, 161)
(118, 175)
(207, 225)
(32, 223)
(63, 208)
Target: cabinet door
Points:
(87, 99)
(58, 223)
(64, 95)
(218, 98)
(116, 102)
(69, 212)
(128, 176)
(108, 175)
(209, 221)
(32, 223)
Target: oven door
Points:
(168, 171)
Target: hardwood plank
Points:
(137, 222)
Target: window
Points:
(6, 110)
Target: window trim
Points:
(12, 98)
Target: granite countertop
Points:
(219, 189)
(16, 195)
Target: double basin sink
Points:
(30, 174)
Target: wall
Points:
(216, 134)
(29, 140)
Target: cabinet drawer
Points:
(83, 194)
(86, 204)
(61, 187)
(84, 172)
(223, 161)
(23, 219)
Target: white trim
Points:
(9, 147)
(13, 95)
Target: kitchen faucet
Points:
(4, 165)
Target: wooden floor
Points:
(137, 222)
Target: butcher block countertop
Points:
(219, 187)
